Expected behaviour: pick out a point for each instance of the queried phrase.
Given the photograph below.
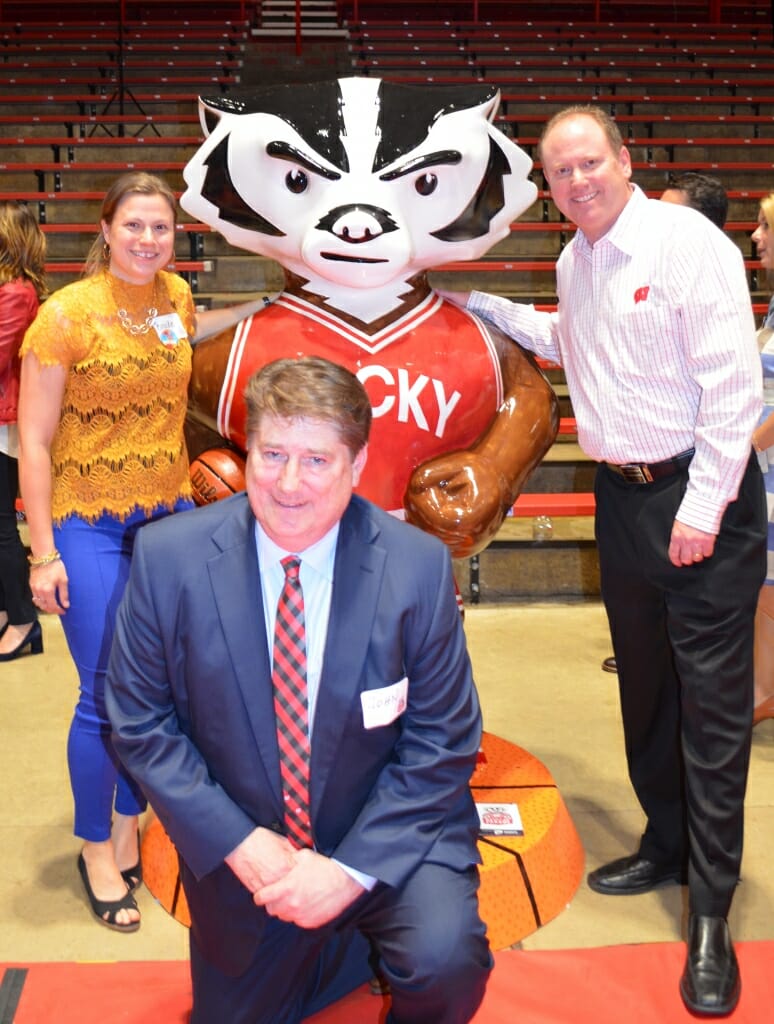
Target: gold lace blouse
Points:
(119, 444)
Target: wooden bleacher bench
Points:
(570, 503)
(395, 55)
(106, 41)
(88, 103)
(90, 123)
(76, 266)
(83, 12)
(44, 199)
(649, 122)
(575, 41)
(502, 10)
(40, 169)
(189, 269)
(627, 103)
(736, 194)
(70, 146)
(99, 82)
(591, 92)
(517, 266)
(556, 32)
(72, 65)
(670, 142)
(182, 44)
(595, 61)
(193, 231)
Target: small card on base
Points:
(499, 820)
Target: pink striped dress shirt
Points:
(656, 335)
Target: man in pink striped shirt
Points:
(655, 331)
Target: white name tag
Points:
(169, 328)
(382, 706)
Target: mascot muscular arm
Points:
(358, 187)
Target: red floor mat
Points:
(635, 984)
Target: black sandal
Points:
(133, 877)
(106, 911)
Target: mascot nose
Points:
(357, 223)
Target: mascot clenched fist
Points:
(358, 187)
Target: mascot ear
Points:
(208, 116)
(490, 109)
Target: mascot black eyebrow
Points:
(357, 188)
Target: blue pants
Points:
(97, 557)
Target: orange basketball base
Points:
(525, 880)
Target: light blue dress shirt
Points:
(316, 575)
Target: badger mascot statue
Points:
(357, 187)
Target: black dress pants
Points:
(683, 642)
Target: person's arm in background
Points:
(763, 435)
(40, 406)
(17, 311)
(213, 321)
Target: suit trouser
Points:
(683, 642)
(429, 937)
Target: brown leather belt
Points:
(648, 472)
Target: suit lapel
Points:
(357, 578)
(236, 586)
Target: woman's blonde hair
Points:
(767, 205)
(133, 183)
(22, 247)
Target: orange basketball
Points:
(216, 474)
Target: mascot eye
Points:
(426, 184)
(297, 181)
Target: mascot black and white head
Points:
(356, 185)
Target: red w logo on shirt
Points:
(641, 294)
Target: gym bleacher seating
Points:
(91, 95)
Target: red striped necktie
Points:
(290, 704)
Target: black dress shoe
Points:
(33, 639)
(629, 876)
(710, 984)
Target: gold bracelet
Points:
(52, 556)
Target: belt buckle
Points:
(634, 473)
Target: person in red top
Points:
(22, 286)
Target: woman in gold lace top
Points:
(103, 398)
